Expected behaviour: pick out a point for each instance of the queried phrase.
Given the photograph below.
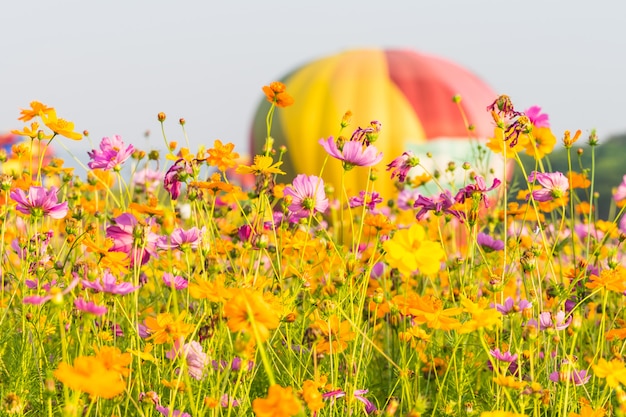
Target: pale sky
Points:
(111, 66)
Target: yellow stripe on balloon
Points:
(324, 91)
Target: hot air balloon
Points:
(409, 93)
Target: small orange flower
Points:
(36, 108)
(114, 360)
(335, 335)
(312, 396)
(280, 402)
(609, 279)
(247, 310)
(214, 290)
(165, 328)
(276, 93)
(88, 374)
(222, 156)
(578, 180)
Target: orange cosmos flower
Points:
(276, 93)
(609, 279)
(578, 180)
(334, 335)
(165, 328)
(312, 396)
(280, 402)
(88, 374)
(222, 156)
(60, 126)
(114, 360)
(36, 108)
(214, 291)
(247, 311)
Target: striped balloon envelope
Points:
(409, 93)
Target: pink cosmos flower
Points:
(39, 202)
(555, 185)
(174, 413)
(406, 198)
(147, 179)
(52, 293)
(352, 153)
(537, 118)
(510, 307)
(178, 282)
(133, 238)
(489, 243)
(108, 283)
(620, 193)
(90, 307)
(111, 155)
(197, 360)
(181, 239)
(557, 321)
(359, 394)
(401, 166)
(307, 196)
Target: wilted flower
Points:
(401, 166)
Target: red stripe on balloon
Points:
(430, 83)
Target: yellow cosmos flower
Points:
(540, 143)
(409, 251)
(614, 372)
(59, 126)
(262, 165)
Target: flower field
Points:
(192, 283)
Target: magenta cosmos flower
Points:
(352, 153)
(554, 184)
(111, 155)
(108, 283)
(307, 196)
(537, 118)
(133, 238)
(39, 202)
